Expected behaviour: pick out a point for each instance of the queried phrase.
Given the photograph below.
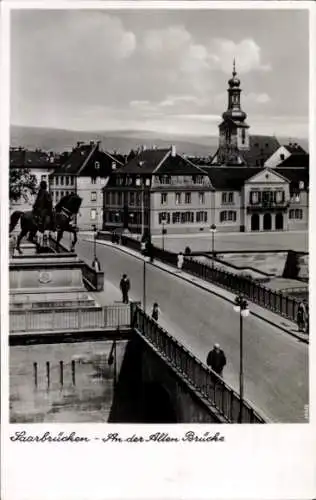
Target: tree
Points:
(21, 183)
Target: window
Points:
(138, 199)
(243, 136)
(164, 199)
(282, 157)
(228, 216)
(97, 165)
(295, 197)
(119, 198)
(57, 195)
(178, 198)
(201, 198)
(227, 197)
(67, 180)
(255, 197)
(107, 198)
(132, 198)
(93, 180)
(165, 179)
(93, 214)
(61, 180)
(176, 217)
(188, 198)
(93, 196)
(296, 214)
(43, 177)
(57, 180)
(201, 216)
(301, 185)
(198, 179)
(187, 217)
(164, 218)
(279, 196)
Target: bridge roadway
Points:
(275, 363)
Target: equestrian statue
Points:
(43, 218)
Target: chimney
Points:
(173, 150)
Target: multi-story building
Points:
(39, 163)
(85, 172)
(158, 190)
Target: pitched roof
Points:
(261, 148)
(21, 157)
(82, 161)
(295, 160)
(294, 175)
(295, 148)
(160, 161)
(145, 162)
(230, 177)
(233, 178)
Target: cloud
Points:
(247, 54)
(257, 98)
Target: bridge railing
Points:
(206, 382)
(275, 301)
(65, 319)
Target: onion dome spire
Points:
(234, 82)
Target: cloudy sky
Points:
(158, 70)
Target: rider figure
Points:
(43, 207)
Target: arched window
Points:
(243, 136)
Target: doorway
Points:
(267, 222)
(255, 222)
(279, 222)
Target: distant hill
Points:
(117, 140)
(121, 140)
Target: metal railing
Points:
(206, 383)
(274, 301)
(65, 319)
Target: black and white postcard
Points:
(156, 250)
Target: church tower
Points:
(233, 130)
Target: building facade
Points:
(85, 172)
(157, 191)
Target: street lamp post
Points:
(241, 306)
(213, 231)
(163, 232)
(94, 227)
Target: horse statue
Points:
(61, 221)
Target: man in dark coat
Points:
(216, 359)
(43, 207)
(125, 286)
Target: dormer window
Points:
(282, 157)
(97, 165)
(147, 182)
(301, 185)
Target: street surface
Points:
(275, 363)
(287, 240)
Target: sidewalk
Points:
(264, 314)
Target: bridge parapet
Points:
(207, 384)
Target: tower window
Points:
(243, 136)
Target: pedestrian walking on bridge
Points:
(180, 260)
(301, 317)
(125, 286)
(216, 360)
(155, 311)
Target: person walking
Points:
(301, 317)
(180, 260)
(155, 311)
(216, 360)
(125, 286)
